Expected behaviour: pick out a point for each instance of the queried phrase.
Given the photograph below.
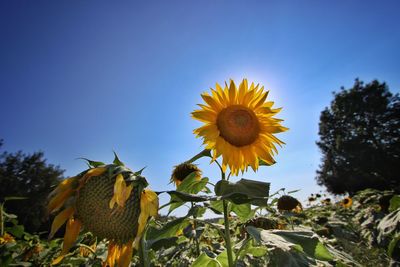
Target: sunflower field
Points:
(108, 215)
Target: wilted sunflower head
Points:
(111, 202)
(289, 203)
(239, 125)
(346, 202)
(182, 171)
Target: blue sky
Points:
(84, 78)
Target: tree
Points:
(360, 140)
(28, 176)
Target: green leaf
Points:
(197, 211)
(117, 161)
(393, 244)
(322, 253)
(243, 211)
(222, 258)
(202, 260)
(93, 164)
(191, 185)
(394, 203)
(139, 172)
(167, 231)
(217, 206)
(10, 216)
(288, 240)
(205, 261)
(177, 196)
(244, 191)
(16, 230)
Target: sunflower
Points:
(182, 171)
(346, 202)
(108, 200)
(239, 125)
(288, 203)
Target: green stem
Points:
(227, 234)
(205, 152)
(226, 224)
(196, 240)
(142, 255)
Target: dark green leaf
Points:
(243, 211)
(117, 161)
(93, 164)
(139, 172)
(191, 185)
(167, 231)
(197, 211)
(177, 196)
(217, 206)
(393, 244)
(244, 191)
(394, 203)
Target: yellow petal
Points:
(58, 200)
(125, 256)
(64, 185)
(149, 202)
(113, 253)
(60, 219)
(204, 115)
(71, 234)
(232, 93)
(121, 192)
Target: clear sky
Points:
(84, 78)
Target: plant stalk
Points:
(196, 241)
(227, 234)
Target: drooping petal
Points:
(60, 219)
(112, 254)
(58, 200)
(64, 185)
(148, 207)
(71, 234)
(121, 192)
(125, 256)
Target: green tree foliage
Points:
(28, 176)
(360, 140)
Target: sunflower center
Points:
(238, 125)
(119, 225)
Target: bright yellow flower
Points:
(239, 125)
(110, 201)
(182, 170)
